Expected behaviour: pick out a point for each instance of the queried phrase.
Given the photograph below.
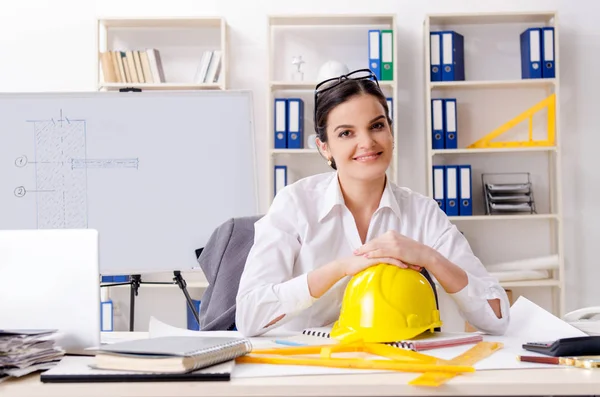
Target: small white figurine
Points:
(297, 75)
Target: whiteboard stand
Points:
(135, 282)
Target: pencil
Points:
(546, 360)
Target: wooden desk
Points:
(529, 382)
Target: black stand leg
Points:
(182, 284)
(136, 280)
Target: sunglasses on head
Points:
(325, 85)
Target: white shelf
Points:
(294, 151)
(486, 84)
(530, 283)
(331, 20)
(491, 218)
(170, 22)
(494, 83)
(310, 85)
(179, 41)
(318, 38)
(484, 18)
(494, 150)
(161, 86)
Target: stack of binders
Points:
(537, 53)
(452, 189)
(444, 123)
(289, 123)
(447, 57)
(506, 193)
(381, 54)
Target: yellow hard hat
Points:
(386, 303)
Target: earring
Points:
(329, 162)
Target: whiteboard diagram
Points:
(61, 165)
(155, 173)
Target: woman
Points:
(325, 228)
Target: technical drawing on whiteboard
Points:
(61, 165)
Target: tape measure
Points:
(475, 354)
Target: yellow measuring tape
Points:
(436, 371)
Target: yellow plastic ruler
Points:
(355, 363)
(475, 354)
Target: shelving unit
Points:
(492, 93)
(318, 39)
(180, 41)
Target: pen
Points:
(288, 342)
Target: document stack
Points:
(26, 351)
(508, 193)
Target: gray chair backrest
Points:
(222, 260)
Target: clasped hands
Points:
(393, 248)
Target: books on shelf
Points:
(452, 189)
(289, 123)
(381, 53)
(132, 66)
(209, 68)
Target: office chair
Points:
(222, 260)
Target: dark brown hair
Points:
(339, 94)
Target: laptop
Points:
(49, 279)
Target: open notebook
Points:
(425, 341)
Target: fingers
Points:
(391, 261)
(378, 253)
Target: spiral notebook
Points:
(170, 354)
(425, 341)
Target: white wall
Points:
(50, 46)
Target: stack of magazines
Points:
(26, 351)
(508, 193)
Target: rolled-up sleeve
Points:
(270, 294)
(472, 300)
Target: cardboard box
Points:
(470, 328)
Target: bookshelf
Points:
(318, 39)
(492, 93)
(180, 42)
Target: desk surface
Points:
(525, 382)
(529, 382)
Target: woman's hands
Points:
(323, 278)
(394, 245)
(355, 264)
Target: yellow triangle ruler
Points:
(549, 103)
(475, 354)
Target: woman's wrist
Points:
(339, 269)
(434, 260)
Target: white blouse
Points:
(308, 226)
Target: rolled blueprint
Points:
(541, 263)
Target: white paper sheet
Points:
(528, 323)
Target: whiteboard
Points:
(154, 172)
